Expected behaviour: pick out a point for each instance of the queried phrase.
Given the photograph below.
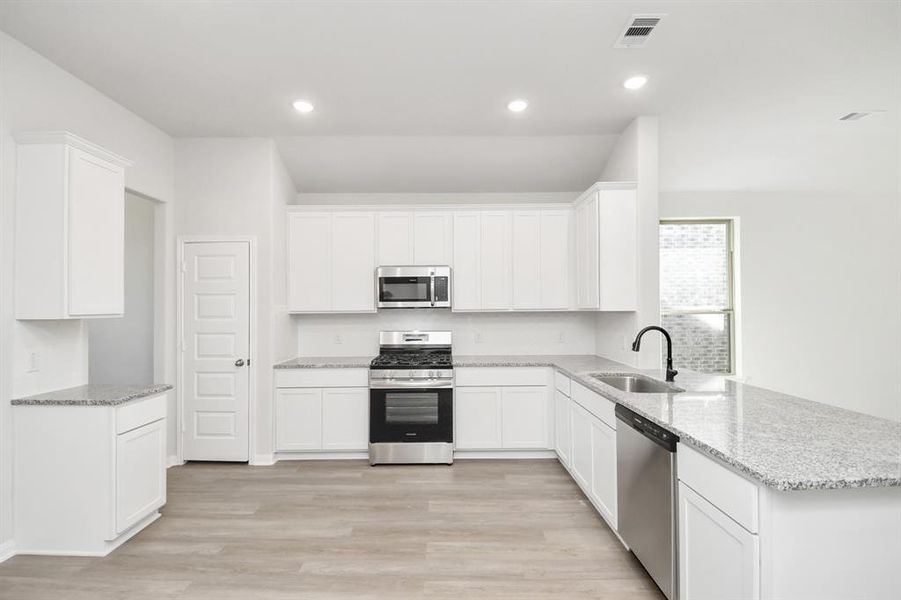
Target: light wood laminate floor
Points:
(324, 530)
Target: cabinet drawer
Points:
(562, 383)
(140, 412)
(500, 376)
(594, 403)
(287, 378)
(728, 491)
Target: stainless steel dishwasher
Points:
(646, 495)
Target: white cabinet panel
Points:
(617, 250)
(395, 238)
(527, 284)
(477, 418)
(298, 416)
(717, 557)
(603, 469)
(140, 473)
(309, 262)
(467, 270)
(494, 259)
(587, 252)
(345, 419)
(563, 425)
(433, 241)
(524, 416)
(581, 448)
(353, 262)
(70, 228)
(554, 259)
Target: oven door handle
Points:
(432, 290)
(406, 384)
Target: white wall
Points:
(476, 333)
(820, 289)
(121, 350)
(634, 158)
(35, 94)
(237, 187)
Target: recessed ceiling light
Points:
(518, 105)
(635, 82)
(303, 106)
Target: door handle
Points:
(239, 362)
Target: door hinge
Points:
(184, 266)
(182, 346)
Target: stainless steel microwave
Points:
(413, 287)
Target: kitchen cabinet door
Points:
(524, 415)
(298, 418)
(718, 558)
(345, 418)
(587, 253)
(96, 236)
(603, 469)
(581, 448)
(527, 284)
(554, 259)
(353, 262)
(309, 262)
(395, 235)
(140, 473)
(466, 267)
(562, 424)
(433, 243)
(617, 250)
(477, 418)
(494, 260)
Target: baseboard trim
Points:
(102, 549)
(7, 550)
(262, 460)
(338, 455)
(173, 461)
(504, 454)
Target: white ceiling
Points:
(411, 96)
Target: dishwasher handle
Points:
(657, 434)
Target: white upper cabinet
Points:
(526, 259)
(415, 238)
(433, 240)
(494, 258)
(466, 268)
(70, 228)
(331, 262)
(395, 238)
(606, 249)
(541, 259)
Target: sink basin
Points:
(636, 384)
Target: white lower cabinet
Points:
(322, 419)
(582, 455)
(603, 469)
(140, 473)
(718, 558)
(563, 427)
(87, 477)
(509, 418)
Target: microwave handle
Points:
(432, 289)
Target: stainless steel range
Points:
(411, 399)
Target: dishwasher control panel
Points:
(658, 434)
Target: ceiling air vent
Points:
(854, 116)
(637, 30)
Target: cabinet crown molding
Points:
(68, 138)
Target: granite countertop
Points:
(785, 442)
(326, 362)
(93, 395)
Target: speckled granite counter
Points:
(787, 443)
(93, 395)
(326, 362)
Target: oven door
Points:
(405, 291)
(399, 415)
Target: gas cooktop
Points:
(424, 359)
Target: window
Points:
(696, 293)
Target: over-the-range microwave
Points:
(413, 287)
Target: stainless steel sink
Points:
(636, 384)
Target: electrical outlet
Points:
(33, 363)
(338, 339)
(477, 337)
(561, 338)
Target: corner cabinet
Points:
(70, 228)
(331, 262)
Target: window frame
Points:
(729, 310)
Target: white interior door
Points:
(216, 351)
